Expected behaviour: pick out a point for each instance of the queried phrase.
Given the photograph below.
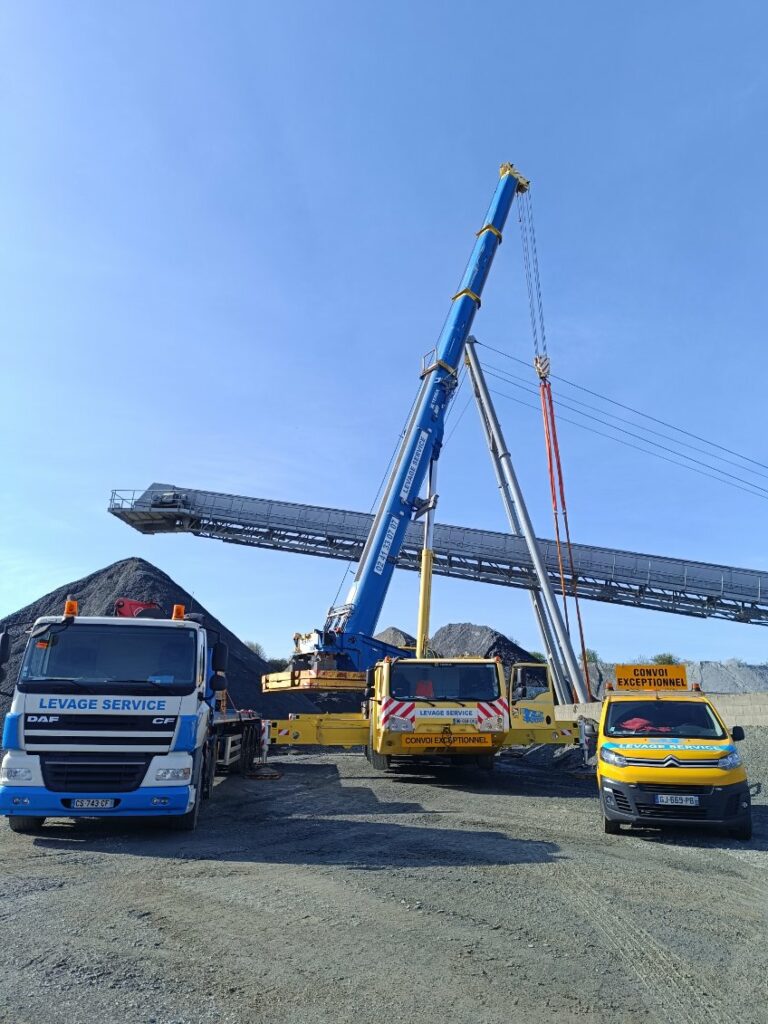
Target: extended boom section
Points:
(346, 643)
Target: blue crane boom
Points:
(346, 643)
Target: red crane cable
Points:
(557, 485)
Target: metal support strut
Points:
(565, 666)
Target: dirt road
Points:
(336, 894)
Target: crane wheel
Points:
(379, 762)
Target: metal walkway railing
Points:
(601, 574)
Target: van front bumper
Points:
(636, 803)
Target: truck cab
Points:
(111, 716)
(665, 757)
(434, 708)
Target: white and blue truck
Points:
(117, 717)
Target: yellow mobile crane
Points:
(424, 706)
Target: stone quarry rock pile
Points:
(459, 638)
(141, 581)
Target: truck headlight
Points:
(166, 774)
(732, 760)
(399, 725)
(15, 774)
(611, 757)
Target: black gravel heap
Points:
(460, 638)
(139, 580)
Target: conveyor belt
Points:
(602, 574)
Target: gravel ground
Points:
(335, 894)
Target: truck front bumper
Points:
(148, 801)
(636, 804)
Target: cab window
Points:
(680, 719)
(457, 682)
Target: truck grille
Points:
(96, 773)
(94, 732)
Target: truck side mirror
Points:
(219, 657)
(218, 683)
(5, 647)
(737, 733)
(370, 683)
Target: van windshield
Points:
(115, 659)
(674, 718)
(456, 681)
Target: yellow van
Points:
(665, 757)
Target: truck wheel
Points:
(188, 822)
(744, 831)
(22, 823)
(209, 772)
(611, 828)
(379, 762)
(486, 762)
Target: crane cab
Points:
(435, 708)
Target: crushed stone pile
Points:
(141, 581)
(731, 676)
(460, 638)
(397, 637)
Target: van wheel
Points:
(379, 762)
(744, 831)
(24, 824)
(611, 828)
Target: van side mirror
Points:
(5, 647)
(737, 734)
(219, 657)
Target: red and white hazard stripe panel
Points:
(398, 708)
(493, 709)
(264, 745)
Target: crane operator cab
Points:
(436, 709)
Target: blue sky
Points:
(229, 232)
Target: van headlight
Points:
(15, 774)
(611, 757)
(732, 760)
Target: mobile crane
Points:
(414, 704)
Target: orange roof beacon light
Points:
(70, 608)
(178, 612)
(610, 686)
(696, 687)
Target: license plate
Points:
(677, 800)
(459, 741)
(89, 803)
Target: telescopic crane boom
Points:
(346, 643)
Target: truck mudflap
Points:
(37, 801)
(659, 804)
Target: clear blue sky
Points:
(229, 231)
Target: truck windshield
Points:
(455, 681)
(123, 659)
(679, 718)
